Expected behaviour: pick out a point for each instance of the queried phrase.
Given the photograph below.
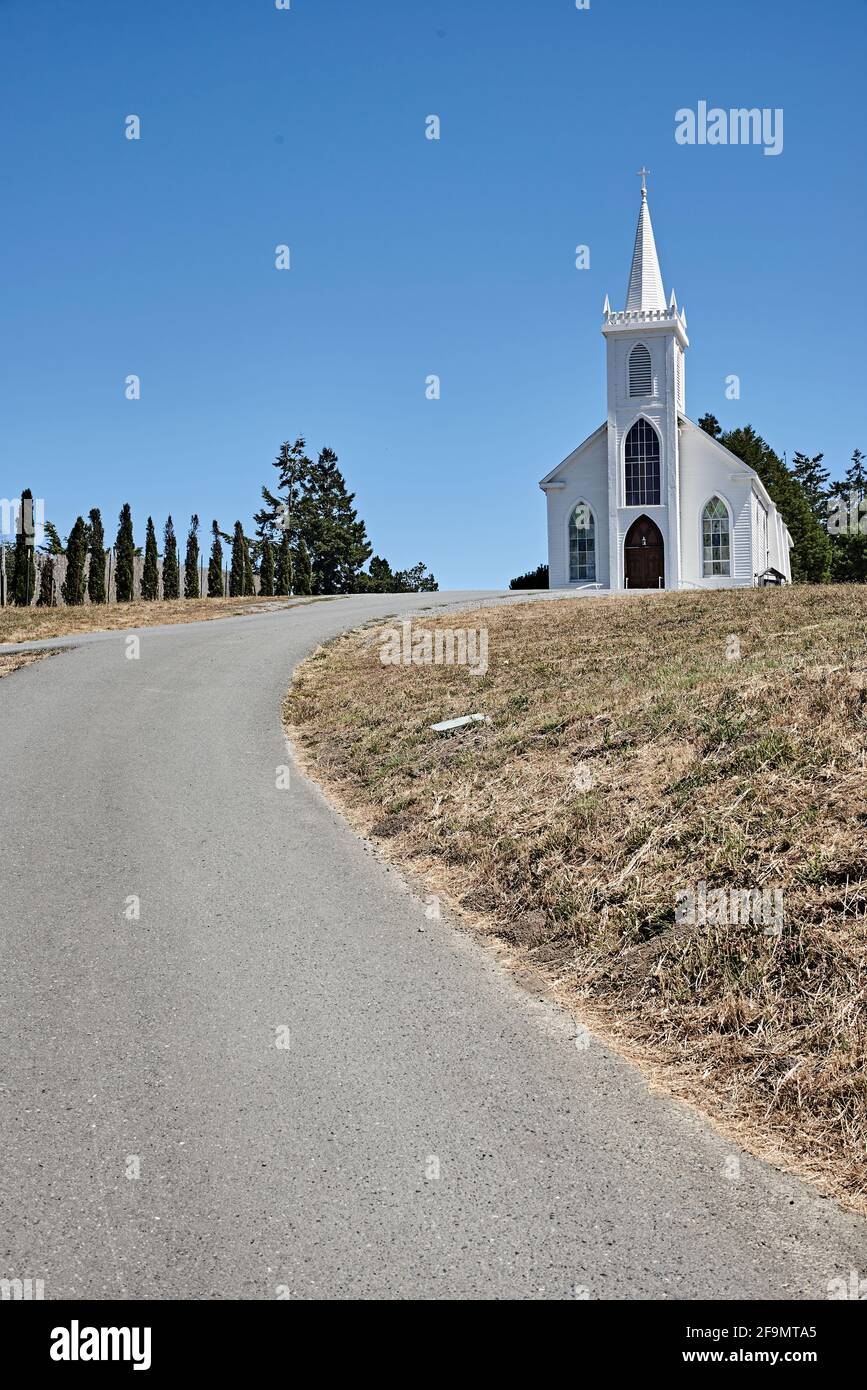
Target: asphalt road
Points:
(150, 1046)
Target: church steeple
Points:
(645, 278)
(646, 342)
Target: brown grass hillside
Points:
(639, 747)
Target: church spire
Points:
(645, 278)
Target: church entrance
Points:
(645, 555)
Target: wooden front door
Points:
(645, 555)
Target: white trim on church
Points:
(650, 500)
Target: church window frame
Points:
(716, 532)
(582, 544)
(640, 371)
(642, 464)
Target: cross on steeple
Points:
(643, 174)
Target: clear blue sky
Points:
(410, 257)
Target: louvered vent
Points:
(640, 380)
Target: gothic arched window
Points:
(642, 465)
(716, 538)
(582, 545)
(640, 376)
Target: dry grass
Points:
(691, 767)
(13, 661)
(31, 624)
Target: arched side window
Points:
(582, 545)
(640, 376)
(716, 539)
(642, 465)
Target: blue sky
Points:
(410, 257)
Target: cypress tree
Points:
(23, 585)
(150, 578)
(124, 553)
(191, 560)
(266, 570)
(171, 572)
(249, 583)
(47, 596)
(284, 577)
(96, 573)
(304, 571)
(215, 565)
(76, 554)
(236, 573)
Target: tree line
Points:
(308, 540)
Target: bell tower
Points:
(646, 342)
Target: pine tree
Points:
(303, 570)
(150, 578)
(266, 570)
(417, 580)
(329, 525)
(215, 565)
(284, 576)
(72, 587)
(171, 572)
(711, 425)
(236, 573)
(293, 478)
(124, 554)
(191, 561)
(47, 594)
(850, 548)
(814, 481)
(96, 573)
(23, 586)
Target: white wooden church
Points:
(650, 500)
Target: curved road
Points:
(307, 1170)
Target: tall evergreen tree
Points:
(52, 545)
(215, 565)
(124, 554)
(96, 572)
(280, 512)
(171, 571)
(23, 586)
(329, 525)
(47, 591)
(850, 545)
(249, 583)
(72, 587)
(813, 479)
(711, 425)
(191, 560)
(284, 576)
(150, 576)
(236, 573)
(303, 570)
(811, 555)
(266, 570)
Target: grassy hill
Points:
(644, 752)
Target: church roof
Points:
(645, 278)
